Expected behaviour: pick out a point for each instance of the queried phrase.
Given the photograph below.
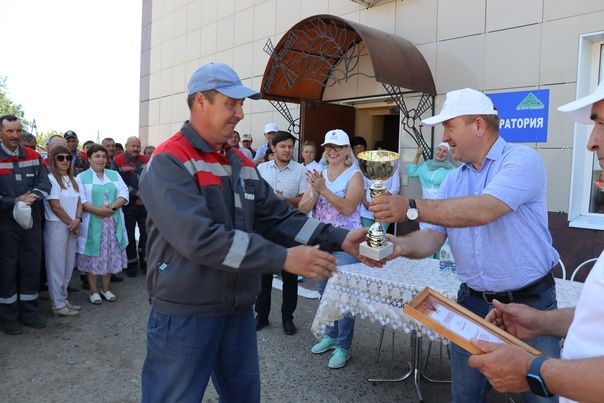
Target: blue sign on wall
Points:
(523, 115)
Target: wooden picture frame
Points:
(457, 323)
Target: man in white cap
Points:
(578, 375)
(270, 130)
(214, 226)
(246, 143)
(493, 211)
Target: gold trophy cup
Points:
(377, 165)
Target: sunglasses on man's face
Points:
(63, 157)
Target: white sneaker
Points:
(65, 311)
(73, 307)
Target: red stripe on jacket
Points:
(178, 146)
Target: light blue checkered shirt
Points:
(290, 180)
(515, 249)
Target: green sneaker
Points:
(326, 343)
(338, 358)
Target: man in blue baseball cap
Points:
(214, 226)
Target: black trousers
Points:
(19, 270)
(136, 215)
(290, 296)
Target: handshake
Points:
(310, 262)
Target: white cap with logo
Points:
(337, 137)
(580, 110)
(460, 103)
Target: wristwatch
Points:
(534, 379)
(412, 212)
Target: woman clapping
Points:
(334, 196)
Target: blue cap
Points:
(222, 78)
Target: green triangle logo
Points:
(530, 102)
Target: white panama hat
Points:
(580, 110)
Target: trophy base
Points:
(376, 253)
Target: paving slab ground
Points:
(98, 356)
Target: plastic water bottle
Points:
(447, 263)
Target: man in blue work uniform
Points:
(24, 179)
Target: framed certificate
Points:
(457, 323)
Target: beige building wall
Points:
(493, 46)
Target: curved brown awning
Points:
(304, 59)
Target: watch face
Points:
(412, 214)
(536, 385)
(534, 380)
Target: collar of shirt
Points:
(128, 159)
(274, 165)
(9, 152)
(198, 142)
(495, 153)
(225, 148)
(195, 139)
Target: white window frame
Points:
(588, 74)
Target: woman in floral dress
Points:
(101, 246)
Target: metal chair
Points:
(562, 269)
(424, 371)
(582, 265)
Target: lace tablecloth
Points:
(381, 294)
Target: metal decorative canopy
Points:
(324, 50)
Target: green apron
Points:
(102, 194)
